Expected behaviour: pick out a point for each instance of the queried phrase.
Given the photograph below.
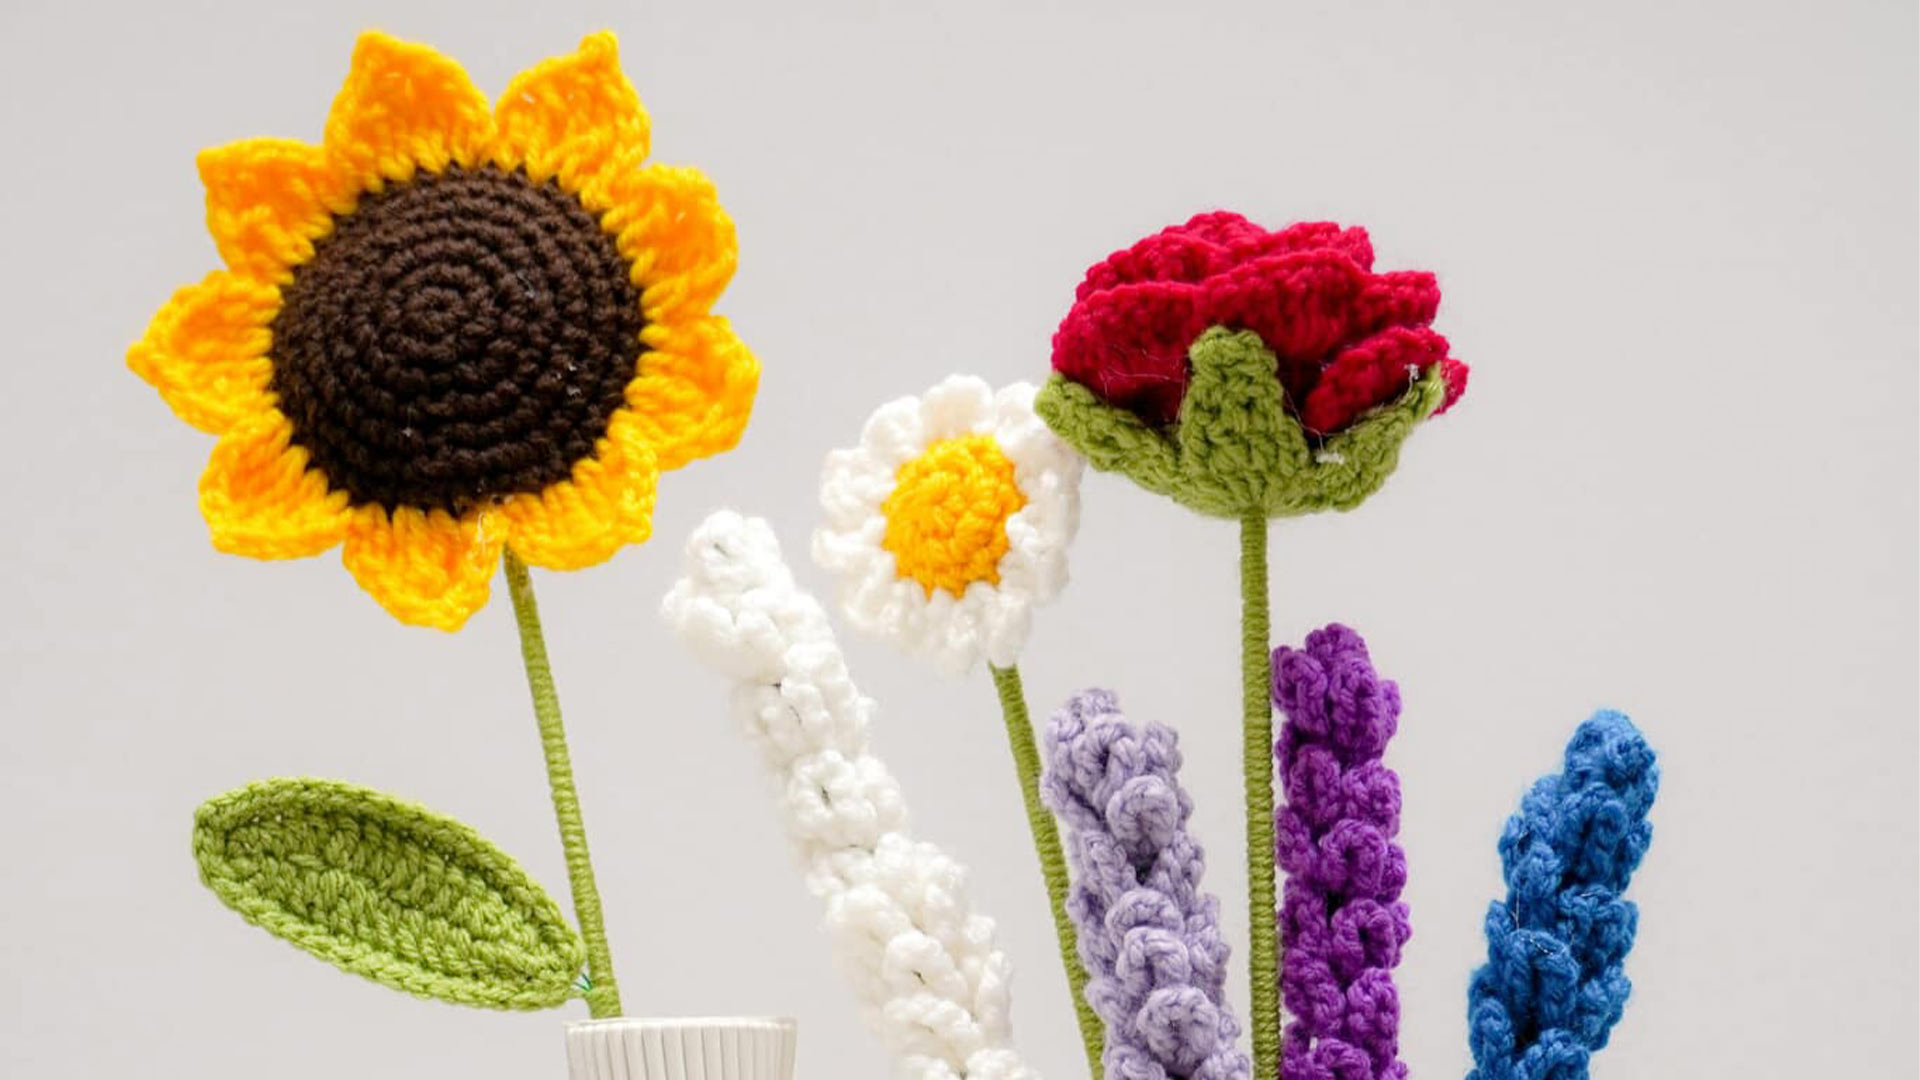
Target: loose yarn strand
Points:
(603, 994)
(1046, 842)
(1263, 959)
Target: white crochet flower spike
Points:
(949, 522)
(931, 977)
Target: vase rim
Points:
(686, 1021)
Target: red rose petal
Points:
(1215, 243)
(1168, 255)
(1397, 298)
(1371, 373)
(1129, 346)
(1311, 236)
(1300, 304)
(1455, 373)
(1222, 227)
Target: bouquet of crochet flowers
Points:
(1245, 374)
(454, 338)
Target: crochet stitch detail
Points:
(450, 329)
(1249, 373)
(931, 980)
(947, 514)
(458, 338)
(388, 890)
(1346, 339)
(1554, 983)
(913, 440)
(1342, 925)
(1236, 450)
(1148, 936)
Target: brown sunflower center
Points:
(461, 337)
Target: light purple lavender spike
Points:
(1147, 934)
(1342, 925)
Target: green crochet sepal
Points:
(389, 890)
(1236, 451)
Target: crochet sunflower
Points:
(452, 329)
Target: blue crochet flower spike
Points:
(1553, 985)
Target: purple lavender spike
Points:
(1149, 937)
(1342, 925)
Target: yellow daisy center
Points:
(947, 515)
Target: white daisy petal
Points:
(841, 551)
(961, 405)
(894, 433)
(1013, 405)
(1006, 633)
(1026, 448)
(852, 486)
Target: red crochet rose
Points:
(1347, 339)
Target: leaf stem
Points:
(1263, 959)
(1046, 842)
(603, 994)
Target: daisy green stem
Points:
(603, 994)
(1046, 842)
(1263, 957)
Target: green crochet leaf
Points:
(388, 890)
(1238, 447)
(1112, 440)
(1352, 464)
(1236, 450)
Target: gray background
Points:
(1677, 244)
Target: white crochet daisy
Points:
(949, 523)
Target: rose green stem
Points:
(603, 994)
(1263, 959)
(1046, 841)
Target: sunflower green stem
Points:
(602, 994)
(1046, 842)
(1263, 955)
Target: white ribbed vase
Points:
(730, 1048)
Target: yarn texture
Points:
(400, 378)
(1256, 781)
(1346, 338)
(1241, 372)
(947, 514)
(1149, 938)
(603, 992)
(1342, 925)
(388, 890)
(931, 980)
(1053, 859)
(451, 329)
(1554, 983)
(948, 524)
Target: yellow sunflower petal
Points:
(668, 222)
(206, 351)
(574, 116)
(425, 568)
(261, 500)
(695, 389)
(405, 107)
(268, 200)
(605, 505)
